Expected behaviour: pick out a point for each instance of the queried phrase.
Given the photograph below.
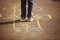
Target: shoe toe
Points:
(30, 19)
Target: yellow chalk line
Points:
(50, 17)
(4, 8)
(14, 8)
(38, 23)
(0, 15)
(40, 8)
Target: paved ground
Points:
(46, 24)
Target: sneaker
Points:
(29, 19)
(23, 19)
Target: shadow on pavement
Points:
(11, 22)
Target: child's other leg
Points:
(23, 9)
(30, 6)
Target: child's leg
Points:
(23, 8)
(30, 6)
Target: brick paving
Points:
(46, 24)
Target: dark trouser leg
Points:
(23, 8)
(30, 6)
